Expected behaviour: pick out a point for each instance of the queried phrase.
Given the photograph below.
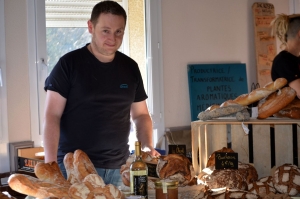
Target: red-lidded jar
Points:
(166, 189)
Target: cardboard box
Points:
(27, 158)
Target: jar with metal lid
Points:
(166, 189)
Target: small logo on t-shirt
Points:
(123, 86)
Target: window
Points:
(41, 63)
(69, 17)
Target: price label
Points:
(152, 170)
(226, 160)
(177, 149)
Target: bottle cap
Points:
(137, 148)
(137, 143)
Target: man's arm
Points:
(296, 86)
(144, 128)
(54, 107)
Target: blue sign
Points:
(214, 83)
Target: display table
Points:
(270, 142)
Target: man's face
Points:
(107, 34)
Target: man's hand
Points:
(151, 151)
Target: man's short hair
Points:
(106, 7)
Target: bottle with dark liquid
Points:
(139, 174)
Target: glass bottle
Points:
(139, 174)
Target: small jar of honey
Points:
(166, 189)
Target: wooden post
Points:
(265, 42)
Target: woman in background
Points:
(287, 63)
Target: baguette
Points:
(220, 112)
(275, 102)
(68, 162)
(93, 186)
(260, 93)
(32, 186)
(82, 165)
(212, 107)
(50, 172)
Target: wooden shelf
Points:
(269, 142)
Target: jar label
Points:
(164, 186)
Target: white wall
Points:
(196, 31)
(17, 70)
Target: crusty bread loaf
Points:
(212, 107)
(275, 102)
(71, 173)
(93, 186)
(50, 172)
(229, 103)
(175, 167)
(229, 178)
(221, 112)
(51, 183)
(230, 194)
(260, 93)
(286, 179)
(125, 174)
(263, 187)
(204, 175)
(83, 166)
(248, 172)
(266, 179)
(292, 110)
(32, 186)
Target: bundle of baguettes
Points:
(243, 100)
(259, 93)
(82, 182)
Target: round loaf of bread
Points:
(229, 178)
(286, 179)
(261, 188)
(204, 175)
(267, 179)
(211, 159)
(231, 193)
(175, 167)
(248, 172)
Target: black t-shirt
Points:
(99, 95)
(286, 65)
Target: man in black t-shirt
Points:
(92, 93)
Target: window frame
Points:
(4, 138)
(37, 56)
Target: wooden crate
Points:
(270, 142)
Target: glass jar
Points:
(166, 189)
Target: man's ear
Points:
(90, 26)
(298, 34)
